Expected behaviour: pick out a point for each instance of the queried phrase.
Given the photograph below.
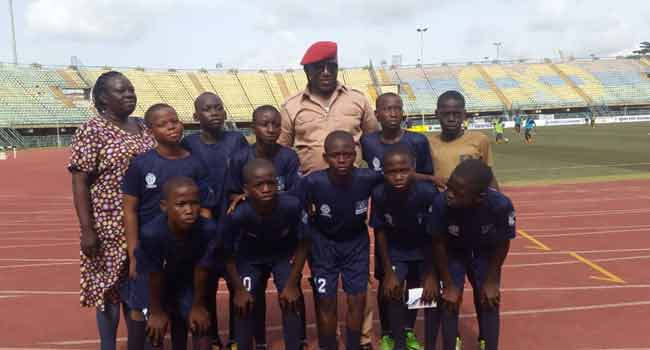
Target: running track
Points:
(577, 277)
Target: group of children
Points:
(210, 206)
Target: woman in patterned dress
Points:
(102, 149)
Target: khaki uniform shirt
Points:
(447, 155)
(306, 122)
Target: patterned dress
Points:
(104, 151)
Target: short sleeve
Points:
(506, 222)
(486, 151)
(377, 221)
(132, 180)
(369, 123)
(242, 142)
(286, 130)
(424, 160)
(208, 197)
(84, 150)
(293, 171)
(364, 150)
(234, 182)
(438, 211)
(150, 255)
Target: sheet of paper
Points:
(413, 301)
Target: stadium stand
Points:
(33, 96)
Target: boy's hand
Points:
(490, 294)
(451, 297)
(440, 182)
(199, 319)
(89, 242)
(235, 202)
(391, 288)
(157, 326)
(289, 298)
(243, 302)
(431, 289)
(133, 267)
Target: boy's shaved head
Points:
(476, 175)
(202, 97)
(338, 135)
(451, 95)
(255, 165)
(398, 150)
(386, 95)
(177, 182)
(151, 111)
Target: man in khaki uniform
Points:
(323, 106)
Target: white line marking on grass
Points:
(564, 252)
(38, 245)
(569, 262)
(51, 264)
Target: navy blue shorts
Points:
(330, 258)
(474, 267)
(254, 275)
(409, 270)
(135, 292)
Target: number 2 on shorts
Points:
(320, 285)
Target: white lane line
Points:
(37, 245)
(51, 264)
(570, 262)
(564, 252)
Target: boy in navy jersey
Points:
(170, 249)
(475, 224)
(214, 146)
(340, 241)
(264, 235)
(400, 210)
(390, 113)
(142, 187)
(266, 125)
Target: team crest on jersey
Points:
(389, 219)
(485, 229)
(454, 230)
(376, 164)
(150, 180)
(281, 183)
(361, 207)
(512, 219)
(325, 211)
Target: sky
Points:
(275, 33)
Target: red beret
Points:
(318, 51)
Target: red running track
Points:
(576, 278)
